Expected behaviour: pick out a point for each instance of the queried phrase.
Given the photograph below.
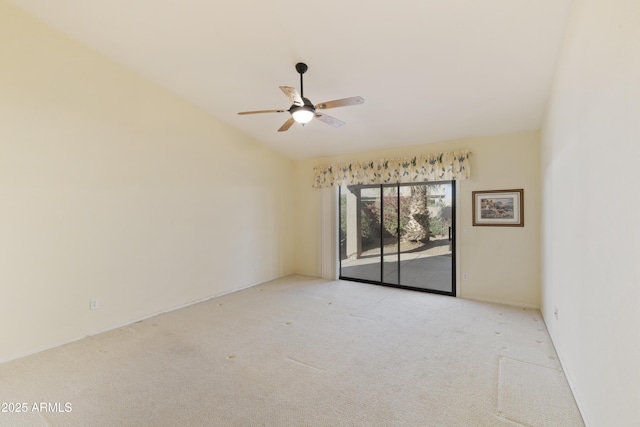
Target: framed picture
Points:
(499, 208)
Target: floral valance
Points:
(428, 167)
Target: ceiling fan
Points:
(303, 111)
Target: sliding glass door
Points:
(399, 235)
(360, 240)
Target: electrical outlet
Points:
(94, 304)
(465, 276)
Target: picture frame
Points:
(498, 208)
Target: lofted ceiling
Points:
(429, 70)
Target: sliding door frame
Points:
(381, 282)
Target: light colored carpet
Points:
(524, 387)
(302, 352)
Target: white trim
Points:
(503, 302)
(582, 407)
(121, 324)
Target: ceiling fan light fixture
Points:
(302, 114)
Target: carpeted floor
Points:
(300, 351)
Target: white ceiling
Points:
(429, 70)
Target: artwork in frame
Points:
(499, 208)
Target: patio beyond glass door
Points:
(399, 235)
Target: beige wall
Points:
(502, 262)
(591, 233)
(115, 189)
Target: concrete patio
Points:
(427, 267)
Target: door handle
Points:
(449, 233)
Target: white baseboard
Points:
(504, 302)
(119, 325)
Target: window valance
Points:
(427, 167)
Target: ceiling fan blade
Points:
(261, 111)
(292, 94)
(344, 102)
(329, 120)
(286, 125)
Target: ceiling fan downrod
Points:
(301, 68)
